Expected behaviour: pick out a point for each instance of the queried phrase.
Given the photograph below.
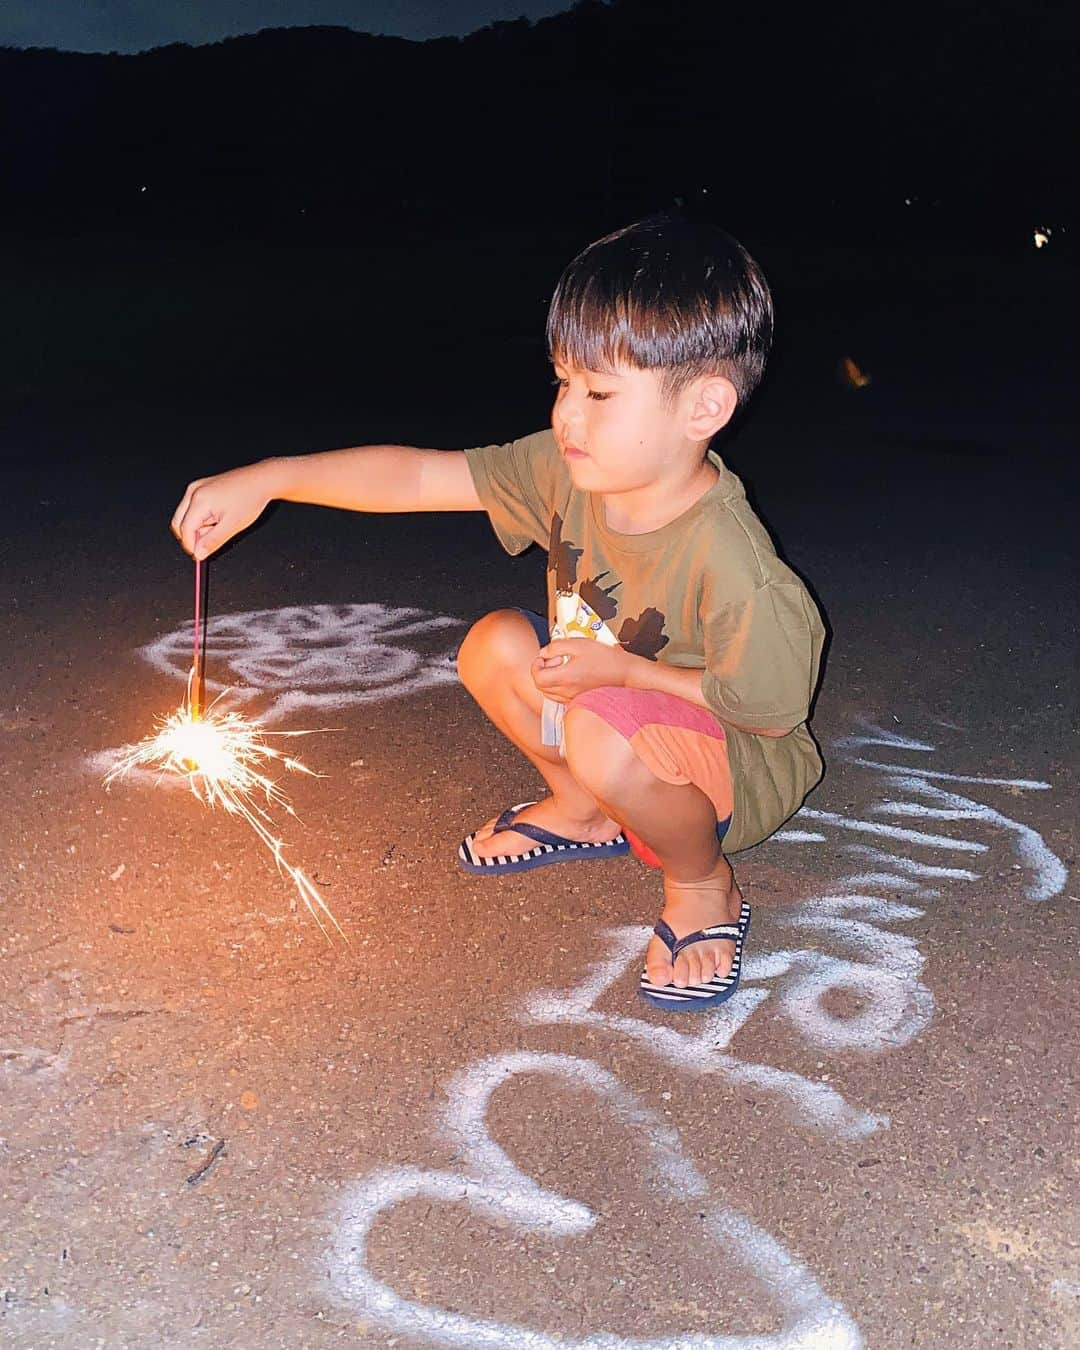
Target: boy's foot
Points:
(688, 907)
(548, 815)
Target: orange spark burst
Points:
(223, 757)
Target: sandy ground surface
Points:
(463, 1128)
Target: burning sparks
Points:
(224, 756)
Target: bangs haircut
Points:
(665, 294)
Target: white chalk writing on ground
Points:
(494, 1186)
(318, 656)
(879, 971)
(1044, 870)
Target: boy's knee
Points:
(598, 756)
(501, 640)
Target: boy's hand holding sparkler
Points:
(212, 510)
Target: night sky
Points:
(128, 26)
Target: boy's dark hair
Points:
(665, 294)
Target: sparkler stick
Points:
(197, 678)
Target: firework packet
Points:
(574, 618)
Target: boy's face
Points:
(617, 432)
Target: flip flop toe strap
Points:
(718, 933)
(730, 932)
(536, 833)
(508, 821)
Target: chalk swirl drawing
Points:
(494, 1186)
(318, 656)
(893, 1006)
(1045, 874)
(868, 998)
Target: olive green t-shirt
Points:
(706, 592)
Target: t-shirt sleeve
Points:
(519, 485)
(762, 653)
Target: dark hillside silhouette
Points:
(621, 105)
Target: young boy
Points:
(680, 727)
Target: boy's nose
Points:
(567, 436)
(568, 418)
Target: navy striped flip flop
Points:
(550, 848)
(695, 997)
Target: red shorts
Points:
(675, 740)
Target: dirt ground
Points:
(463, 1128)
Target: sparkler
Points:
(224, 758)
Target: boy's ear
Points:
(713, 401)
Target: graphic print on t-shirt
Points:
(581, 610)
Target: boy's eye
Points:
(594, 394)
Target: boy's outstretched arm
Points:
(365, 478)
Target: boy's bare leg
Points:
(494, 664)
(678, 822)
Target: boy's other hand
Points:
(569, 666)
(212, 510)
